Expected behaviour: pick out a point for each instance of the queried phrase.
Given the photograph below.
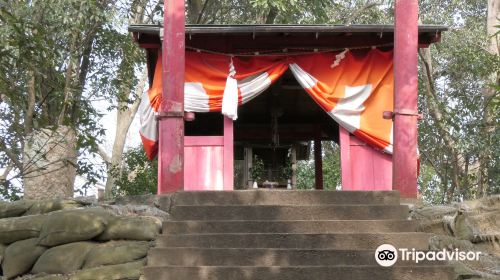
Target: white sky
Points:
(108, 122)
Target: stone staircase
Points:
(266, 234)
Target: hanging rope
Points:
(287, 51)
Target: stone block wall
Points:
(467, 226)
(72, 239)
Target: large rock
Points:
(145, 199)
(432, 212)
(47, 277)
(116, 252)
(63, 259)
(485, 268)
(435, 226)
(132, 228)
(46, 206)
(439, 242)
(63, 227)
(111, 272)
(15, 208)
(462, 271)
(477, 227)
(486, 204)
(14, 229)
(137, 210)
(20, 257)
(2, 251)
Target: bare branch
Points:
(360, 11)
(138, 93)
(6, 172)
(104, 155)
(10, 154)
(28, 121)
(67, 87)
(69, 82)
(202, 12)
(432, 104)
(430, 91)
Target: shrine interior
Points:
(282, 120)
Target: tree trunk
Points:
(271, 16)
(28, 120)
(124, 118)
(125, 113)
(49, 163)
(195, 8)
(456, 159)
(72, 71)
(488, 94)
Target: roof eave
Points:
(242, 29)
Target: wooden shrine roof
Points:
(237, 39)
(278, 39)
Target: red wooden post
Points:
(318, 164)
(405, 98)
(228, 154)
(171, 116)
(345, 158)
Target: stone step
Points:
(281, 197)
(298, 272)
(337, 241)
(276, 234)
(274, 212)
(266, 257)
(320, 226)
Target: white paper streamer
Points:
(230, 97)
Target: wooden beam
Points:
(298, 132)
(293, 159)
(247, 167)
(318, 164)
(405, 98)
(171, 115)
(206, 141)
(222, 37)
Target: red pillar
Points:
(318, 164)
(171, 116)
(228, 154)
(405, 98)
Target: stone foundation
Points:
(72, 239)
(467, 226)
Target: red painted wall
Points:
(208, 161)
(363, 168)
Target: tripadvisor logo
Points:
(387, 255)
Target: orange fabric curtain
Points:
(353, 87)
